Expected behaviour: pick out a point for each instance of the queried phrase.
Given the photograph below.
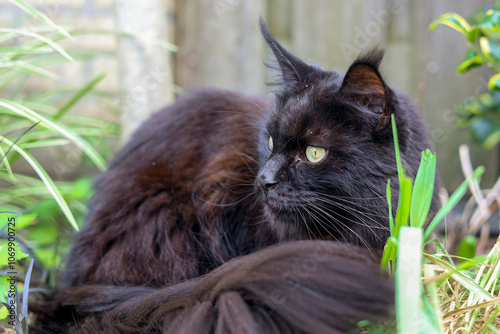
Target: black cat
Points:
(220, 175)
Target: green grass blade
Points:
(42, 17)
(461, 278)
(46, 180)
(403, 212)
(488, 275)
(8, 75)
(408, 282)
(427, 321)
(47, 41)
(423, 189)
(19, 138)
(5, 161)
(389, 202)
(81, 93)
(45, 143)
(401, 171)
(24, 51)
(166, 45)
(32, 69)
(6, 36)
(452, 201)
(389, 254)
(78, 141)
(432, 291)
(493, 329)
(27, 288)
(492, 318)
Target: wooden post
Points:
(145, 61)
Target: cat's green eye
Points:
(270, 144)
(315, 154)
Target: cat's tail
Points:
(296, 287)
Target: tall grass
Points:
(435, 293)
(31, 122)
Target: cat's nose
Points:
(266, 181)
(268, 175)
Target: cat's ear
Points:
(293, 70)
(364, 89)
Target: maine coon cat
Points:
(181, 233)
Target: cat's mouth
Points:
(287, 214)
(282, 202)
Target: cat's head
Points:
(327, 149)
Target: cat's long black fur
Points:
(179, 233)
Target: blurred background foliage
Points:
(46, 211)
(480, 114)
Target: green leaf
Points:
(491, 21)
(472, 59)
(47, 210)
(423, 189)
(472, 108)
(490, 49)
(4, 252)
(81, 189)
(494, 82)
(467, 247)
(4, 287)
(408, 281)
(452, 20)
(390, 252)
(44, 234)
(3, 312)
(485, 131)
(473, 34)
(25, 220)
(48, 257)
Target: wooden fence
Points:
(219, 44)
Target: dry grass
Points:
(463, 310)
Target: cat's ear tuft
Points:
(293, 70)
(365, 90)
